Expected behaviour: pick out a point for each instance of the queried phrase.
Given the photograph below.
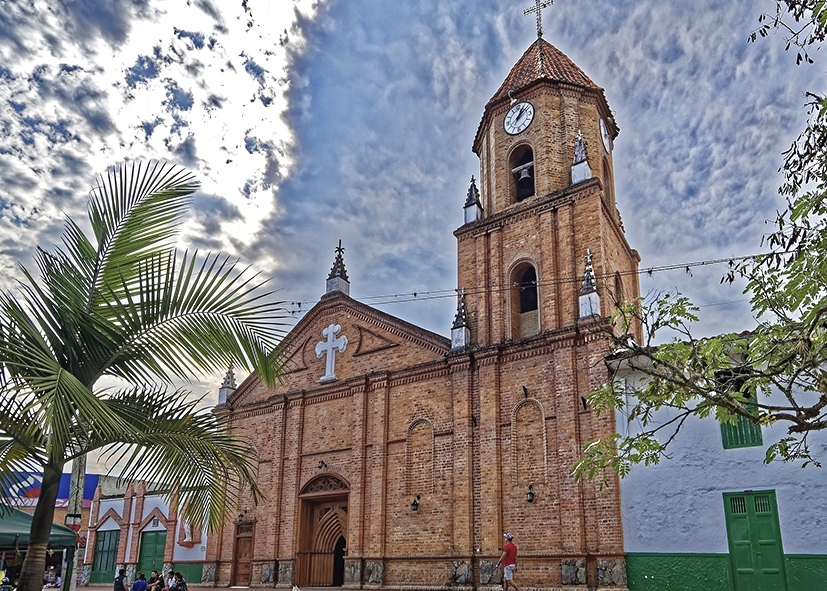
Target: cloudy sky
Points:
(309, 122)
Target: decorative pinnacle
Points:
(460, 320)
(589, 280)
(539, 5)
(229, 379)
(579, 149)
(338, 268)
(473, 197)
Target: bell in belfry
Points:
(525, 183)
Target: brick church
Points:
(396, 458)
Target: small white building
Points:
(716, 517)
(139, 531)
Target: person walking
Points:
(509, 562)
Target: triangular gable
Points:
(364, 340)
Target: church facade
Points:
(396, 458)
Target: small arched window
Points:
(618, 294)
(607, 183)
(522, 172)
(525, 316)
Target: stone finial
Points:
(460, 333)
(589, 280)
(337, 279)
(589, 298)
(227, 386)
(580, 170)
(473, 207)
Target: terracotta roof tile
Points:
(543, 60)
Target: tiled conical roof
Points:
(543, 61)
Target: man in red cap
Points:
(509, 562)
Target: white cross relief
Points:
(329, 347)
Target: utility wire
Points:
(436, 294)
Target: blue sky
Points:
(309, 122)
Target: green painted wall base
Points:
(677, 572)
(806, 572)
(710, 572)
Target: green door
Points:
(755, 551)
(106, 555)
(151, 554)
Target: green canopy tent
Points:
(14, 535)
(15, 526)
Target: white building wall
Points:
(677, 506)
(151, 503)
(105, 505)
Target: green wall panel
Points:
(191, 572)
(677, 572)
(806, 572)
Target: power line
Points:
(436, 294)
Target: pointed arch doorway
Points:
(320, 561)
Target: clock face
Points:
(518, 118)
(604, 134)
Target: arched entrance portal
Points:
(320, 561)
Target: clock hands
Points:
(518, 118)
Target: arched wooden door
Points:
(323, 533)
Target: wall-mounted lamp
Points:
(525, 392)
(415, 503)
(322, 465)
(529, 495)
(242, 515)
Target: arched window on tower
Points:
(522, 171)
(618, 292)
(607, 184)
(525, 316)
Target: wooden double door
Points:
(320, 561)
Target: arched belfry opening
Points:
(320, 559)
(525, 314)
(522, 172)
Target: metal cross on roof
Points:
(539, 5)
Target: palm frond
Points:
(181, 448)
(57, 402)
(186, 317)
(135, 212)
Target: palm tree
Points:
(122, 303)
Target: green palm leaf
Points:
(121, 302)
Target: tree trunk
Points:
(31, 574)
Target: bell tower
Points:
(545, 199)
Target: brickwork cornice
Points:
(528, 209)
